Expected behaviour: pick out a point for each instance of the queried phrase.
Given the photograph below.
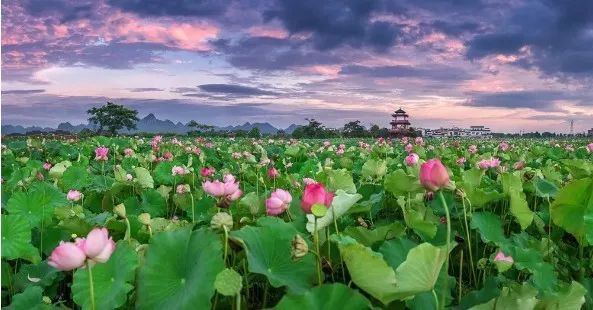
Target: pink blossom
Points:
(197, 151)
(460, 161)
(412, 159)
(182, 189)
(168, 156)
(503, 146)
(229, 178)
(273, 173)
(308, 181)
(97, 245)
(472, 149)
(67, 256)
(74, 195)
(278, 202)
(494, 162)
(519, 165)
(590, 147)
(215, 188)
(434, 175)
(178, 170)
(500, 257)
(128, 152)
(340, 152)
(207, 171)
(484, 164)
(236, 155)
(326, 144)
(101, 153)
(316, 194)
(409, 148)
(47, 166)
(419, 141)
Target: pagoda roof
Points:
(400, 111)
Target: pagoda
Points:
(400, 123)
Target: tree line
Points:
(111, 118)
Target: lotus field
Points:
(185, 223)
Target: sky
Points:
(511, 65)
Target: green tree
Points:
(374, 130)
(113, 117)
(254, 133)
(200, 128)
(354, 129)
(314, 129)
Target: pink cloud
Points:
(266, 31)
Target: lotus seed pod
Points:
(300, 247)
(220, 220)
(144, 218)
(120, 210)
(482, 263)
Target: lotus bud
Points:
(300, 247)
(221, 221)
(120, 210)
(144, 218)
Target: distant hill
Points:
(149, 124)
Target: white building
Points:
(473, 131)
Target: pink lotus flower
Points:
(207, 171)
(419, 141)
(101, 153)
(215, 188)
(157, 139)
(74, 195)
(308, 181)
(168, 156)
(340, 152)
(236, 155)
(316, 194)
(460, 161)
(589, 148)
(433, 175)
(67, 256)
(519, 165)
(503, 146)
(128, 152)
(229, 178)
(197, 151)
(405, 140)
(409, 148)
(342, 146)
(412, 159)
(494, 162)
(484, 164)
(278, 202)
(472, 149)
(234, 196)
(326, 144)
(273, 173)
(178, 170)
(48, 166)
(182, 189)
(500, 257)
(97, 245)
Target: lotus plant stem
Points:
(238, 300)
(193, 212)
(316, 241)
(128, 231)
(226, 243)
(448, 241)
(469, 242)
(91, 285)
(460, 277)
(265, 301)
(436, 299)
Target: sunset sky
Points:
(511, 65)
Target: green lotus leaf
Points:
(31, 298)
(37, 204)
(335, 296)
(374, 169)
(569, 297)
(16, 239)
(153, 202)
(369, 237)
(268, 247)
(545, 188)
(517, 297)
(112, 280)
(399, 183)
(340, 205)
(143, 177)
(179, 270)
(520, 210)
(340, 179)
(75, 177)
(489, 226)
(573, 207)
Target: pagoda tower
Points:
(400, 123)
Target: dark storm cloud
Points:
(234, 90)
(556, 33)
(335, 23)
(22, 91)
(264, 53)
(542, 100)
(144, 89)
(200, 8)
(65, 10)
(429, 72)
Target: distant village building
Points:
(456, 132)
(400, 124)
(590, 132)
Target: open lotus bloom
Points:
(97, 247)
